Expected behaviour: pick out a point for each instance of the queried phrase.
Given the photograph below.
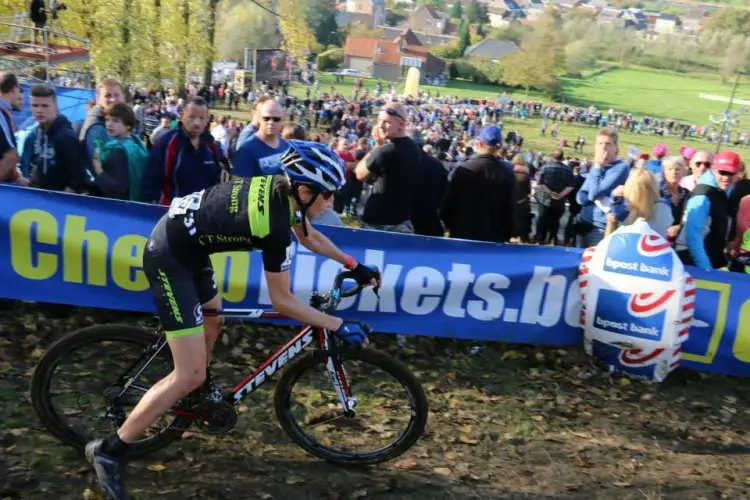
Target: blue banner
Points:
(71, 102)
(84, 251)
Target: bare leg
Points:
(189, 355)
(212, 326)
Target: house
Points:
(667, 23)
(533, 9)
(491, 49)
(635, 19)
(390, 59)
(364, 6)
(424, 39)
(370, 13)
(427, 19)
(595, 4)
(563, 5)
(694, 20)
(501, 18)
(610, 15)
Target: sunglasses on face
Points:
(726, 174)
(270, 118)
(703, 164)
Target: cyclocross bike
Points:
(114, 365)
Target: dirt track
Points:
(511, 422)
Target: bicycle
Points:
(215, 412)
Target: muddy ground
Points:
(509, 422)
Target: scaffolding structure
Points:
(42, 54)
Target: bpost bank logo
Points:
(648, 364)
(643, 256)
(635, 315)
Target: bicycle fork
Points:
(339, 377)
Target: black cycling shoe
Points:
(107, 470)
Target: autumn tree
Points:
(298, 39)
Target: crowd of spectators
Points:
(428, 166)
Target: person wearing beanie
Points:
(654, 165)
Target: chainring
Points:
(216, 418)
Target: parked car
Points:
(349, 72)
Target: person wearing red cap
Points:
(706, 222)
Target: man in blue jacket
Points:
(607, 173)
(707, 218)
(183, 160)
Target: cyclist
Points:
(234, 216)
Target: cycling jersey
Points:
(234, 216)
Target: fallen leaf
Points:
(443, 471)
(359, 494)
(37, 353)
(537, 418)
(623, 484)
(406, 464)
(625, 382)
(156, 467)
(89, 494)
(466, 439)
(292, 480)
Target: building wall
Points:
(359, 63)
(359, 6)
(497, 21)
(386, 72)
(665, 26)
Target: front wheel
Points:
(308, 403)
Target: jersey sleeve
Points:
(276, 247)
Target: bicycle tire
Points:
(384, 361)
(41, 380)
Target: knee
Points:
(190, 379)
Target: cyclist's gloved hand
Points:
(354, 332)
(365, 275)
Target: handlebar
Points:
(330, 301)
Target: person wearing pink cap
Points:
(706, 222)
(687, 153)
(654, 165)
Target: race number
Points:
(190, 203)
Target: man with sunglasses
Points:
(706, 222)
(392, 168)
(261, 154)
(699, 163)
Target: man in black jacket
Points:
(431, 186)
(58, 161)
(480, 202)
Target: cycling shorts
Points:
(179, 285)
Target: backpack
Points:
(137, 155)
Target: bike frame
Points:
(306, 336)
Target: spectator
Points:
(703, 238)
(57, 161)
(94, 131)
(739, 190)
(431, 187)
(185, 159)
(261, 154)
(159, 131)
(673, 170)
(699, 163)
(292, 131)
(640, 198)
(740, 245)
(221, 136)
(556, 182)
(343, 197)
(607, 173)
(480, 202)
(249, 131)
(120, 162)
(522, 226)
(392, 168)
(574, 208)
(11, 99)
(654, 166)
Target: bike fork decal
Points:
(338, 377)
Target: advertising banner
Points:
(272, 65)
(78, 250)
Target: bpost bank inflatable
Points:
(638, 302)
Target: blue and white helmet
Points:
(314, 164)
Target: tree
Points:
(480, 31)
(210, 40)
(327, 31)
(473, 12)
(736, 58)
(457, 11)
(464, 38)
(736, 21)
(513, 32)
(298, 39)
(245, 25)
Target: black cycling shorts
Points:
(179, 285)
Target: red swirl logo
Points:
(653, 244)
(645, 304)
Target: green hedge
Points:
(330, 59)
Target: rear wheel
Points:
(309, 409)
(78, 388)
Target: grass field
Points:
(640, 92)
(655, 94)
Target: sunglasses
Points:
(725, 174)
(703, 164)
(393, 112)
(269, 118)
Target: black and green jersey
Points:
(245, 214)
